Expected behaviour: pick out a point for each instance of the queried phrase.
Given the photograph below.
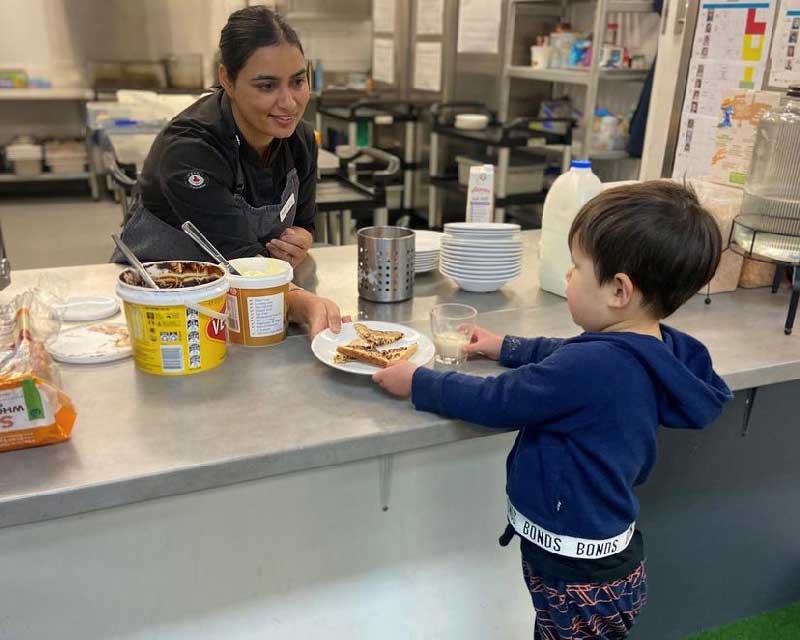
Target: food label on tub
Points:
(265, 315)
(23, 408)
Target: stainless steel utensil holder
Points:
(386, 264)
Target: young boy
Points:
(588, 407)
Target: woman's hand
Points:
(316, 313)
(486, 343)
(397, 378)
(292, 245)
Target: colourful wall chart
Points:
(730, 51)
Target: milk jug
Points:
(568, 194)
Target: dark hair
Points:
(657, 233)
(248, 29)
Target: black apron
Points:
(153, 240)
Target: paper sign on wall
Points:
(736, 133)
(730, 50)
(428, 66)
(383, 60)
(479, 26)
(430, 17)
(785, 57)
(383, 12)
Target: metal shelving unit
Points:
(46, 94)
(516, 135)
(588, 78)
(44, 177)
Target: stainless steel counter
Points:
(276, 410)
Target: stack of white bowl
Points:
(427, 246)
(481, 256)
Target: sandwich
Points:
(377, 338)
(376, 357)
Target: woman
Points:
(239, 163)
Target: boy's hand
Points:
(485, 342)
(396, 378)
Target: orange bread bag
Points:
(34, 411)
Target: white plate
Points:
(325, 343)
(480, 277)
(427, 241)
(499, 258)
(482, 227)
(481, 268)
(88, 308)
(92, 344)
(449, 241)
(462, 253)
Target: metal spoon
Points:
(134, 261)
(195, 234)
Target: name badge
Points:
(287, 207)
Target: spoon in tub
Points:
(194, 233)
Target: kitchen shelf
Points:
(46, 94)
(615, 6)
(589, 78)
(44, 177)
(574, 76)
(451, 183)
(608, 155)
(633, 6)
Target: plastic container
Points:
(540, 56)
(258, 302)
(65, 157)
(566, 197)
(770, 220)
(524, 176)
(561, 43)
(471, 121)
(25, 158)
(176, 331)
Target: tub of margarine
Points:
(258, 304)
(179, 328)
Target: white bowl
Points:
(472, 121)
(476, 286)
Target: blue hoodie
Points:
(587, 409)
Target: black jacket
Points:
(201, 141)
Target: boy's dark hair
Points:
(657, 233)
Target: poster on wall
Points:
(479, 26)
(383, 12)
(428, 66)
(730, 51)
(383, 60)
(430, 18)
(736, 133)
(785, 56)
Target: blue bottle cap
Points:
(581, 164)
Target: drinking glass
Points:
(452, 326)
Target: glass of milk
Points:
(452, 326)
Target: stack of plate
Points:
(427, 246)
(481, 256)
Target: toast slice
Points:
(377, 338)
(377, 357)
(341, 358)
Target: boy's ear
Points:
(622, 291)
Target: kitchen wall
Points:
(56, 38)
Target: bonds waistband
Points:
(567, 545)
